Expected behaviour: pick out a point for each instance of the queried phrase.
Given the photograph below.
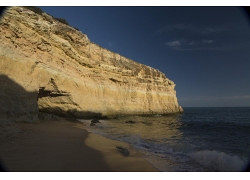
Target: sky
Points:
(204, 50)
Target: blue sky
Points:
(204, 50)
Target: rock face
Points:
(48, 66)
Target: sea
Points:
(200, 139)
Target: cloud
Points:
(191, 43)
(206, 41)
(175, 27)
(192, 28)
(191, 37)
(185, 44)
(173, 43)
(210, 45)
(199, 49)
(210, 30)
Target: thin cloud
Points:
(209, 45)
(207, 41)
(192, 28)
(199, 49)
(175, 27)
(184, 45)
(192, 37)
(173, 43)
(191, 43)
(210, 30)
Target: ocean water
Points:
(200, 139)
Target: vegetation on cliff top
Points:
(40, 12)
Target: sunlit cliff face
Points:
(73, 76)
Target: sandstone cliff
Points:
(46, 65)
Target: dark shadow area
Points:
(2, 167)
(45, 146)
(51, 146)
(2, 9)
(15, 101)
(72, 113)
(45, 93)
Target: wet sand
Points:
(65, 146)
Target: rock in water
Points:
(130, 122)
(94, 121)
(57, 69)
(123, 151)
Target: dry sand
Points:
(65, 146)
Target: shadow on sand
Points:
(45, 146)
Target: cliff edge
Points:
(48, 66)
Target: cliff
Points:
(48, 66)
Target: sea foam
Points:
(218, 161)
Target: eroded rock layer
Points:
(57, 69)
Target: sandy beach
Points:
(64, 146)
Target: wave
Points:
(170, 158)
(173, 154)
(218, 161)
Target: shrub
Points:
(76, 28)
(35, 9)
(62, 20)
(40, 12)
